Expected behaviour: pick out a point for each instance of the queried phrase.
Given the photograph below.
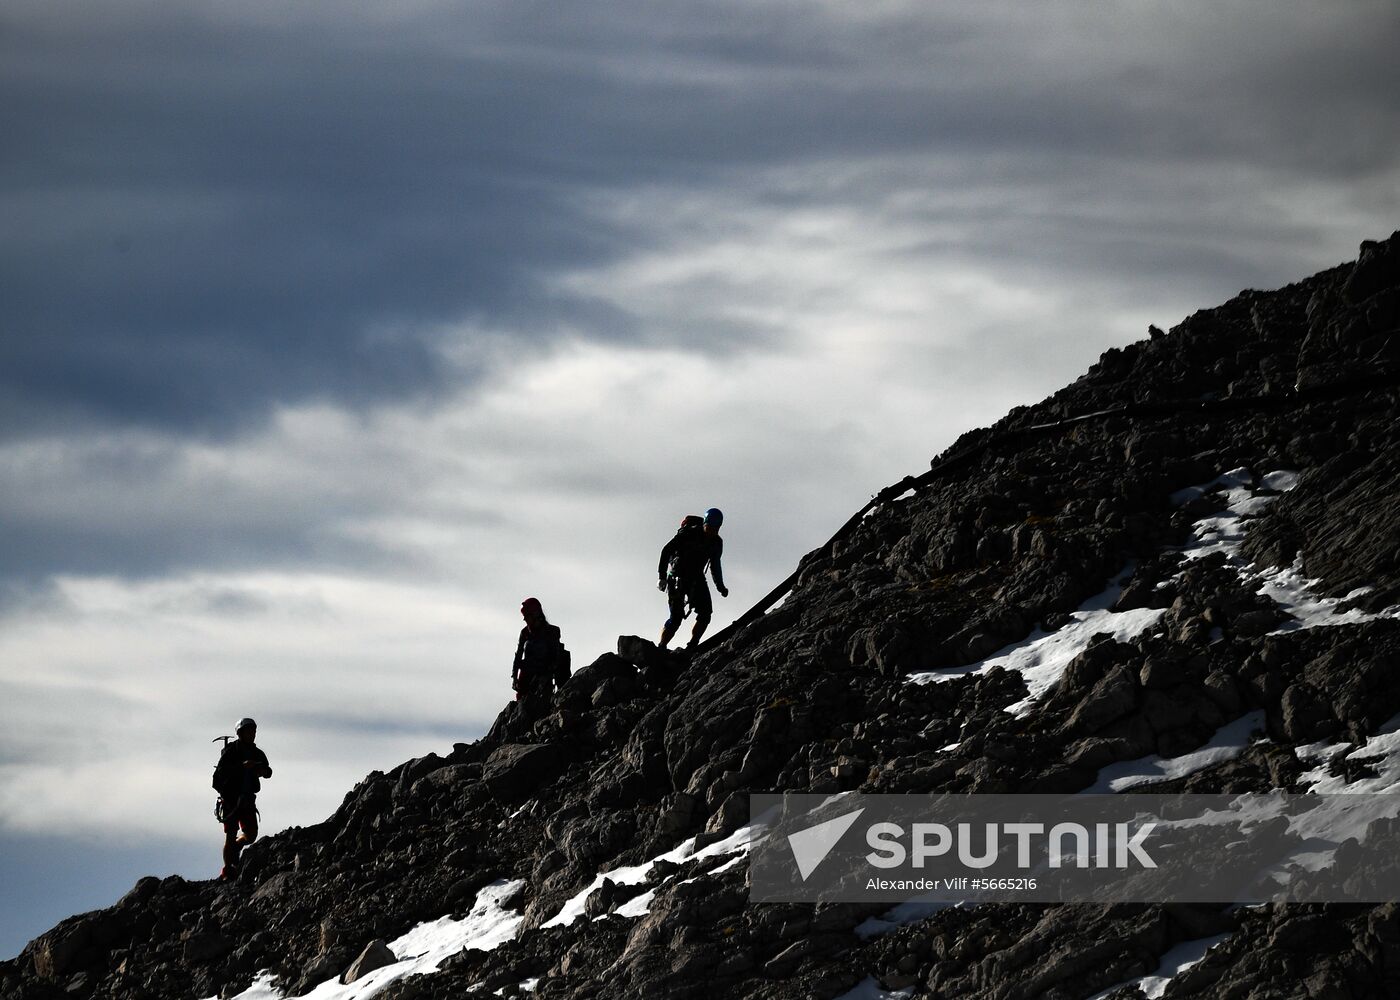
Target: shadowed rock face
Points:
(642, 751)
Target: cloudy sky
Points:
(330, 331)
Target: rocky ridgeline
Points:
(642, 751)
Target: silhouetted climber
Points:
(541, 661)
(684, 558)
(237, 780)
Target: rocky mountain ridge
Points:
(888, 666)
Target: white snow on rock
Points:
(1224, 532)
(640, 905)
(1381, 751)
(1295, 594)
(1235, 479)
(869, 989)
(1320, 831)
(1288, 588)
(1281, 481)
(1229, 742)
(1041, 657)
(1174, 962)
(487, 926)
(738, 842)
(262, 989)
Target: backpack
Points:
(692, 548)
(562, 669)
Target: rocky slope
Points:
(889, 667)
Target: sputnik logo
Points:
(811, 846)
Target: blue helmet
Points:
(714, 517)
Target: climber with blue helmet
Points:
(684, 559)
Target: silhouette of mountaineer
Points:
(684, 558)
(540, 659)
(236, 779)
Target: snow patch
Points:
(869, 989)
(1293, 592)
(1380, 752)
(1228, 743)
(262, 989)
(525, 986)
(421, 950)
(1233, 480)
(724, 867)
(739, 841)
(1174, 962)
(638, 906)
(1282, 481)
(1041, 658)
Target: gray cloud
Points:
(28, 590)
(210, 213)
(33, 711)
(142, 507)
(377, 724)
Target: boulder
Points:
(1111, 698)
(517, 769)
(586, 679)
(56, 954)
(375, 956)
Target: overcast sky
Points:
(328, 332)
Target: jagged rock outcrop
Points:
(1017, 526)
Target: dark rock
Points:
(273, 887)
(1113, 697)
(601, 900)
(375, 956)
(201, 948)
(1305, 718)
(517, 770)
(445, 779)
(56, 953)
(641, 652)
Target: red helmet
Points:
(531, 604)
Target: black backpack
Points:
(692, 547)
(562, 668)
